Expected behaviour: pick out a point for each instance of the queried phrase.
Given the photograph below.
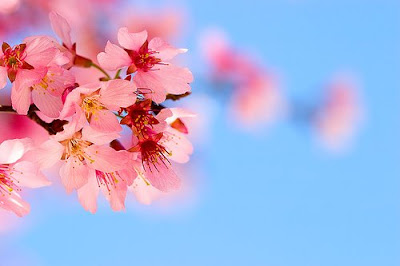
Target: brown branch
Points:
(175, 97)
(52, 128)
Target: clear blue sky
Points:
(274, 199)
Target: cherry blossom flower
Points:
(15, 172)
(16, 62)
(157, 148)
(149, 60)
(82, 151)
(44, 87)
(113, 185)
(97, 101)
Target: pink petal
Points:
(13, 202)
(46, 155)
(48, 104)
(118, 93)
(88, 193)
(27, 78)
(162, 176)
(105, 121)
(131, 41)
(11, 151)
(106, 159)
(74, 174)
(28, 175)
(117, 195)
(3, 77)
(40, 51)
(178, 145)
(98, 137)
(164, 50)
(144, 192)
(21, 99)
(167, 79)
(179, 113)
(58, 79)
(114, 57)
(61, 27)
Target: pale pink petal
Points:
(166, 79)
(11, 151)
(88, 193)
(98, 137)
(178, 145)
(28, 175)
(40, 51)
(74, 174)
(106, 159)
(46, 155)
(114, 57)
(162, 176)
(105, 121)
(13, 202)
(131, 41)
(117, 195)
(164, 50)
(3, 77)
(21, 99)
(27, 78)
(179, 113)
(61, 27)
(144, 192)
(48, 104)
(58, 79)
(118, 93)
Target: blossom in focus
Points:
(42, 86)
(81, 151)
(157, 147)
(150, 63)
(17, 61)
(16, 172)
(97, 101)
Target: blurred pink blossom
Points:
(339, 116)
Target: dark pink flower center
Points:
(144, 59)
(13, 58)
(153, 154)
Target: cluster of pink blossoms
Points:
(85, 121)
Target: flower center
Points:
(91, 104)
(76, 147)
(144, 59)
(153, 153)
(13, 58)
(8, 184)
(44, 85)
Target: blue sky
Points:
(274, 198)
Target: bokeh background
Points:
(269, 196)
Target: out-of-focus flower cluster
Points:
(84, 121)
(256, 97)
